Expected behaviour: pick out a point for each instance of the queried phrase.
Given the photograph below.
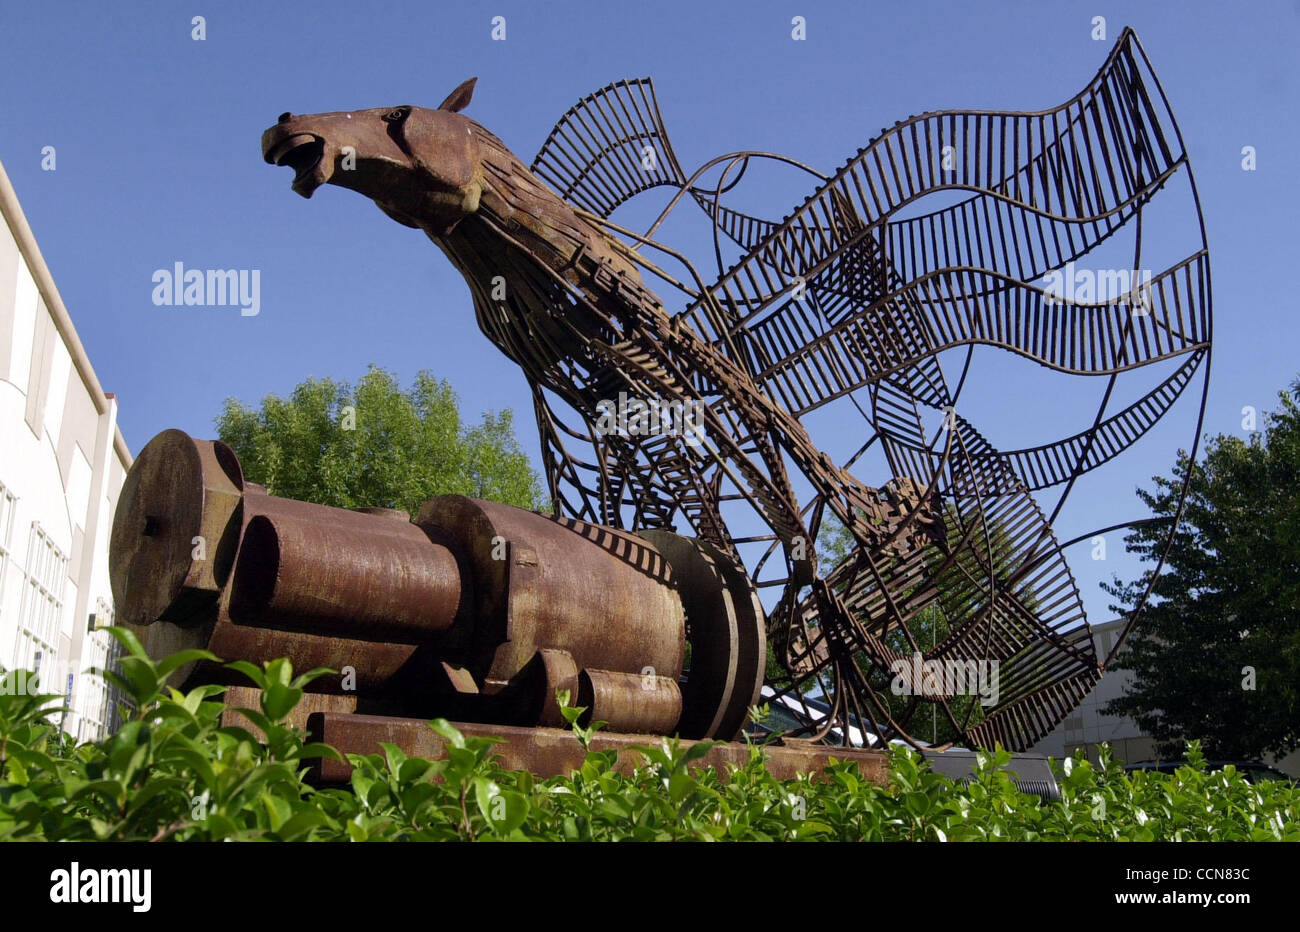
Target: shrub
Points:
(173, 773)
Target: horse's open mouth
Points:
(304, 153)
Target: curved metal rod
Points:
(743, 154)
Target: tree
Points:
(376, 445)
(1216, 656)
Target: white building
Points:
(1087, 727)
(62, 463)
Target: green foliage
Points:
(376, 445)
(172, 773)
(1226, 609)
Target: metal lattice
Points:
(850, 306)
(842, 301)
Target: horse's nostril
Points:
(284, 117)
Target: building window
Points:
(41, 612)
(7, 505)
(97, 700)
(7, 501)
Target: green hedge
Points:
(171, 773)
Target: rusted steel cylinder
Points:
(367, 668)
(728, 637)
(602, 594)
(374, 659)
(175, 530)
(642, 703)
(384, 580)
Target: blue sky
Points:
(157, 145)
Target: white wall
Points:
(1088, 727)
(62, 463)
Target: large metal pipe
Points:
(175, 530)
(386, 581)
(604, 595)
(631, 702)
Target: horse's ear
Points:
(459, 98)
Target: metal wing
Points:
(1047, 188)
(840, 297)
(845, 297)
(609, 147)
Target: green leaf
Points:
(277, 811)
(445, 730)
(917, 803)
(303, 679)
(279, 671)
(680, 785)
(242, 735)
(249, 670)
(516, 810)
(196, 696)
(410, 770)
(278, 700)
(484, 792)
(141, 678)
(697, 750)
(17, 772)
(151, 790)
(109, 789)
(258, 718)
(316, 749)
(175, 661)
(127, 639)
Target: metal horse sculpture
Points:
(842, 302)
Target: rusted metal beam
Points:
(551, 752)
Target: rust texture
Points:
(552, 752)
(474, 610)
(845, 304)
(678, 439)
